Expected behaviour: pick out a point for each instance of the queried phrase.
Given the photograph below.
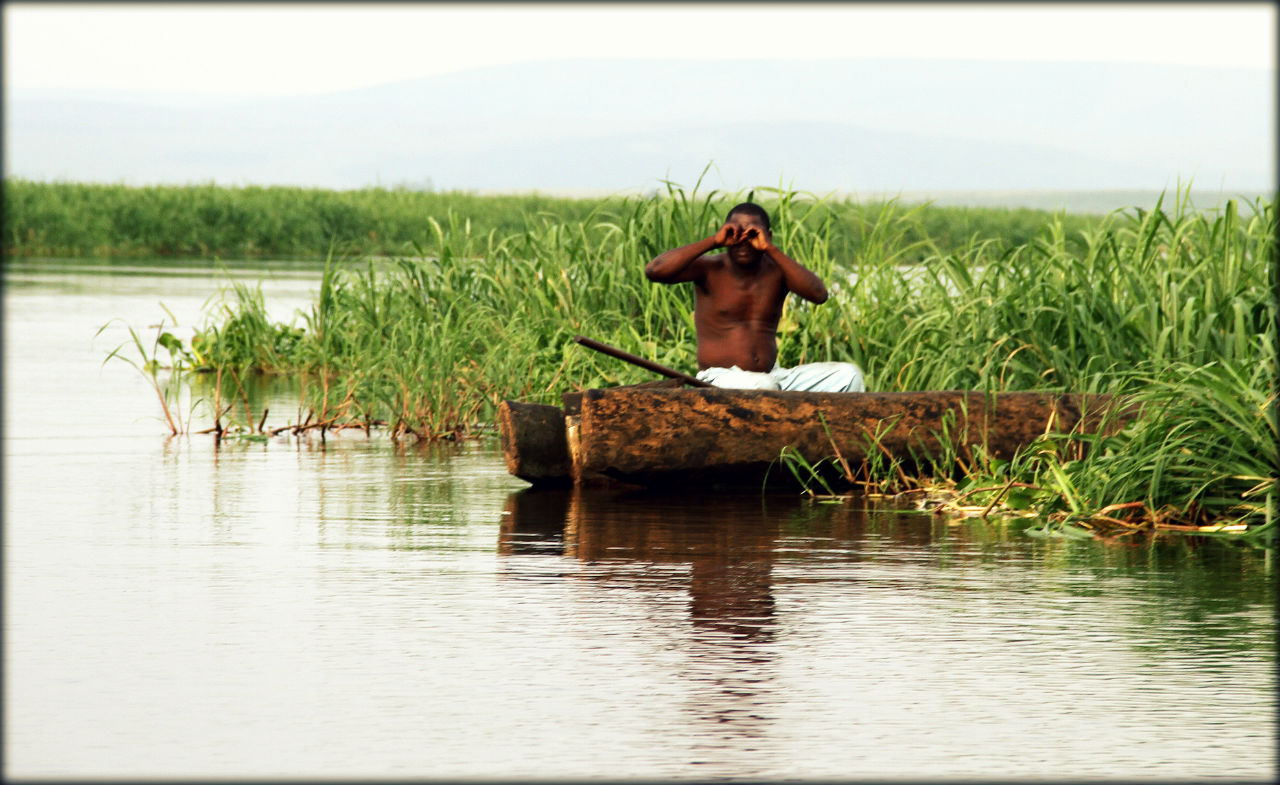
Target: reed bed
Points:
(1170, 305)
(66, 219)
(54, 219)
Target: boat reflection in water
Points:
(693, 574)
(692, 581)
(720, 548)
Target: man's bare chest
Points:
(731, 299)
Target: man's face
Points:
(741, 251)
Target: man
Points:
(738, 301)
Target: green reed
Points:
(168, 386)
(1170, 305)
(83, 219)
(206, 220)
(1149, 288)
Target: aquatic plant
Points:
(168, 391)
(1170, 305)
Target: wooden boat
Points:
(661, 434)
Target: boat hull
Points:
(677, 436)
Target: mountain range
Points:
(821, 125)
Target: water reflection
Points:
(1196, 599)
(717, 551)
(722, 549)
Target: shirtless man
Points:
(738, 301)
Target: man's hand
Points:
(727, 235)
(757, 239)
(732, 234)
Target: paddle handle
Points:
(670, 373)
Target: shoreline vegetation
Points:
(281, 222)
(422, 327)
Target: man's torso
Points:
(736, 313)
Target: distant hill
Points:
(852, 125)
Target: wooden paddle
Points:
(649, 365)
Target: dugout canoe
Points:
(662, 434)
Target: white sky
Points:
(265, 49)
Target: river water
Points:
(362, 609)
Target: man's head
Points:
(750, 209)
(749, 218)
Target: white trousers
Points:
(811, 377)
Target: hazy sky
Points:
(267, 49)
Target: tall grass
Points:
(204, 221)
(1145, 290)
(1170, 304)
(82, 219)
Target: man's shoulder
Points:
(710, 263)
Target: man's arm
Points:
(676, 265)
(799, 278)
